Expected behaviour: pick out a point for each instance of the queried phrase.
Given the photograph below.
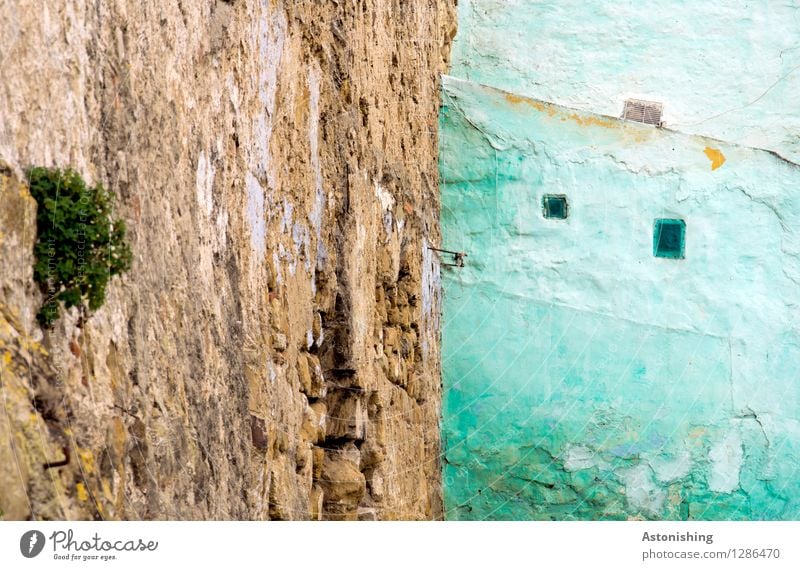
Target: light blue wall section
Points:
(586, 378)
(728, 69)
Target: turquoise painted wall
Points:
(726, 68)
(585, 378)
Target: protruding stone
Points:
(407, 345)
(414, 387)
(318, 456)
(396, 369)
(342, 483)
(279, 342)
(304, 463)
(380, 304)
(316, 329)
(258, 433)
(304, 374)
(320, 411)
(367, 514)
(376, 485)
(371, 454)
(390, 338)
(315, 503)
(347, 415)
(313, 427)
(318, 387)
(395, 316)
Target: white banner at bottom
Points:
(344, 545)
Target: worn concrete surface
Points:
(729, 69)
(585, 378)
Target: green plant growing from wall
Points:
(79, 244)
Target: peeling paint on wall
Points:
(728, 69)
(255, 215)
(715, 156)
(586, 378)
(313, 138)
(271, 33)
(205, 183)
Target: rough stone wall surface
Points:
(273, 353)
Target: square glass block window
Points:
(554, 206)
(669, 237)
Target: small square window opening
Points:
(669, 237)
(554, 206)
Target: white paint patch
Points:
(669, 469)
(431, 292)
(255, 215)
(315, 216)
(313, 138)
(302, 243)
(233, 91)
(205, 183)
(286, 216)
(286, 255)
(322, 256)
(726, 461)
(387, 203)
(642, 492)
(385, 197)
(579, 457)
(276, 263)
(271, 38)
(221, 233)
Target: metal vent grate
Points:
(648, 112)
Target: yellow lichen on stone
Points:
(107, 493)
(87, 460)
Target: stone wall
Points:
(273, 353)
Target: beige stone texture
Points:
(276, 164)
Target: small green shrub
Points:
(79, 245)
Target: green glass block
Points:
(669, 238)
(554, 206)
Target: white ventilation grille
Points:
(648, 112)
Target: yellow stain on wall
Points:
(715, 156)
(515, 99)
(637, 133)
(590, 120)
